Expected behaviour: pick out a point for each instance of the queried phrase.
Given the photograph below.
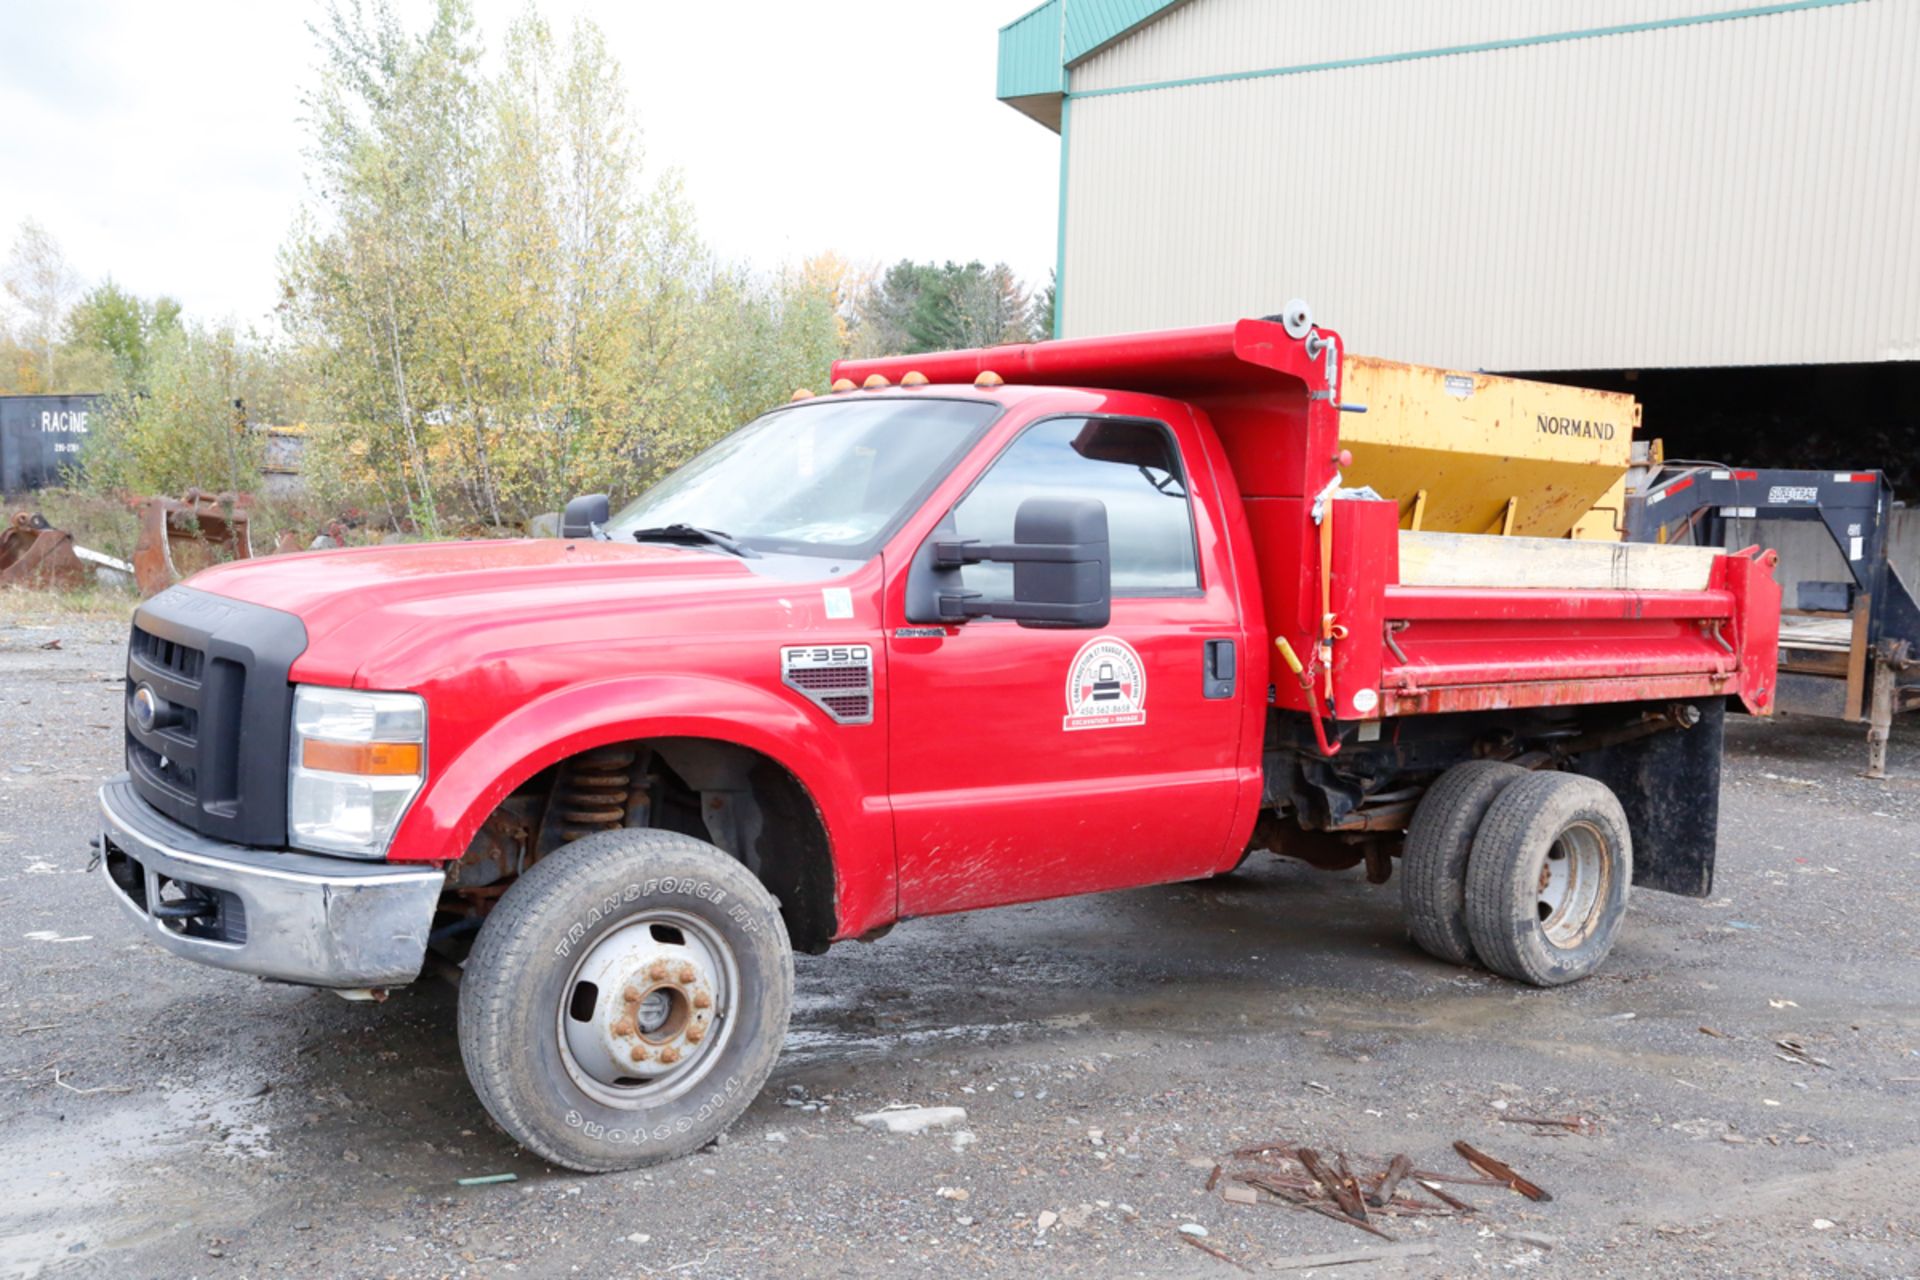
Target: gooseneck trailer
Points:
(1849, 646)
(972, 628)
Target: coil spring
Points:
(593, 795)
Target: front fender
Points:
(462, 793)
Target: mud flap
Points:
(1669, 785)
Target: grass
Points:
(31, 606)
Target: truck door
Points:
(1031, 762)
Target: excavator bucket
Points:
(181, 536)
(35, 554)
(290, 540)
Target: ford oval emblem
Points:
(146, 707)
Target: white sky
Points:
(161, 143)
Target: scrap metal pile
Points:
(1363, 1192)
(35, 554)
(177, 538)
(181, 536)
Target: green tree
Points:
(36, 289)
(186, 425)
(113, 322)
(499, 309)
(39, 285)
(916, 307)
(1042, 317)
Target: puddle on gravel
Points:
(814, 1044)
(62, 1185)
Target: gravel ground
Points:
(161, 1119)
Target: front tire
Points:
(1548, 878)
(626, 1000)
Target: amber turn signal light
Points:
(377, 758)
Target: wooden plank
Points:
(1397, 1168)
(1857, 659)
(1308, 1261)
(1498, 1169)
(1429, 559)
(1831, 635)
(1813, 662)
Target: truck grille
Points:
(168, 756)
(176, 659)
(216, 673)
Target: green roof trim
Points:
(1030, 60)
(1483, 46)
(1037, 47)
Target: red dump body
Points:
(1274, 402)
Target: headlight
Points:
(358, 761)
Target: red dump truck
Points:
(973, 628)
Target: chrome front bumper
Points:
(295, 917)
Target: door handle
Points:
(1218, 675)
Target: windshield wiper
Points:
(694, 534)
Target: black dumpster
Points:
(40, 439)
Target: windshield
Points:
(824, 479)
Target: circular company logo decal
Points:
(1106, 686)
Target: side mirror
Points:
(1062, 570)
(585, 517)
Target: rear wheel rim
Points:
(1573, 885)
(647, 1010)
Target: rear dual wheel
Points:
(1433, 869)
(1526, 872)
(1548, 878)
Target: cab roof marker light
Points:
(913, 378)
(988, 378)
(874, 382)
(843, 384)
(800, 393)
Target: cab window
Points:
(1131, 466)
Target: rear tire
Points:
(1433, 868)
(626, 1000)
(1548, 878)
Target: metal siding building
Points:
(1506, 184)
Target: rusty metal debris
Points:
(35, 554)
(332, 534)
(1498, 1170)
(181, 536)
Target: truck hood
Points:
(392, 617)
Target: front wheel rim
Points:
(1574, 882)
(648, 1009)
